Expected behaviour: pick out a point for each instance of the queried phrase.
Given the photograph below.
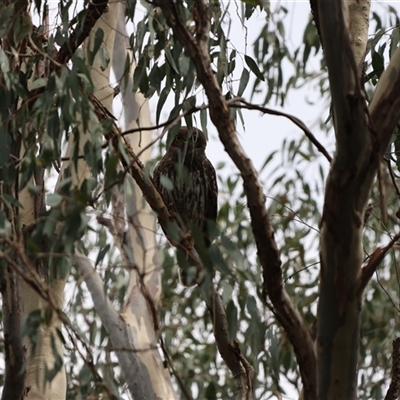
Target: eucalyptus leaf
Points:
(54, 199)
(254, 67)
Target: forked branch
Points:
(196, 47)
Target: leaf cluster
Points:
(40, 113)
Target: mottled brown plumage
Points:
(190, 190)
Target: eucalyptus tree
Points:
(92, 304)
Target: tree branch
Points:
(384, 109)
(232, 103)
(376, 258)
(135, 168)
(358, 27)
(82, 30)
(241, 370)
(196, 47)
(133, 165)
(392, 176)
(292, 118)
(15, 357)
(136, 375)
(315, 14)
(347, 190)
(362, 138)
(393, 392)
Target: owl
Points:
(186, 180)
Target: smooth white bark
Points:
(358, 26)
(146, 274)
(135, 372)
(133, 329)
(385, 105)
(42, 357)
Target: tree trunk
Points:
(362, 136)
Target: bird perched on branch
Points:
(186, 180)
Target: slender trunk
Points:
(14, 383)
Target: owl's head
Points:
(190, 141)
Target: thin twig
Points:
(302, 269)
(295, 214)
(387, 293)
(169, 124)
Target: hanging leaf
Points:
(254, 67)
(244, 80)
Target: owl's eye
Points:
(178, 138)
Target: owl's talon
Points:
(172, 213)
(188, 241)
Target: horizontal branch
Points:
(233, 103)
(295, 120)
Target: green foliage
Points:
(239, 276)
(41, 113)
(295, 188)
